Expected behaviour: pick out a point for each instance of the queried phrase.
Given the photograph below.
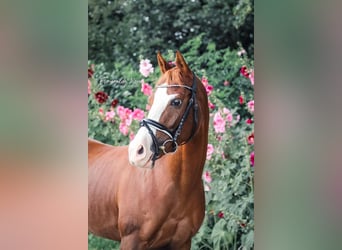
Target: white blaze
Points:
(161, 100)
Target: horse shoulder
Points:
(106, 165)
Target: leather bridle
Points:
(159, 148)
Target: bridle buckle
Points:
(174, 146)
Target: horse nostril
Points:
(140, 150)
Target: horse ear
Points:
(181, 64)
(163, 65)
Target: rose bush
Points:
(228, 77)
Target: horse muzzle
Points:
(139, 149)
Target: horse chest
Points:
(157, 228)
(158, 215)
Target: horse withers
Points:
(149, 194)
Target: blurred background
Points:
(43, 125)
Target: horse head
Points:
(173, 118)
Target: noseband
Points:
(158, 148)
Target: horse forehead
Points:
(160, 101)
(174, 76)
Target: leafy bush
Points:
(229, 173)
(122, 30)
(96, 243)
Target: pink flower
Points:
(109, 115)
(220, 215)
(89, 87)
(250, 139)
(237, 118)
(219, 123)
(244, 71)
(250, 106)
(251, 77)
(121, 112)
(241, 99)
(171, 64)
(204, 81)
(226, 111)
(145, 67)
(226, 83)
(229, 116)
(210, 105)
(241, 52)
(138, 114)
(131, 136)
(128, 120)
(251, 157)
(146, 88)
(123, 128)
(249, 121)
(248, 73)
(91, 71)
(209, 88)
(206, 188)
(101, 111)
(207, 177)
(125, 115)
(210, 151)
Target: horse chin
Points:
(140, 163)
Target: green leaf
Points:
(220, 236)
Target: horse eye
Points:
(176, 102)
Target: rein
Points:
(172, 134)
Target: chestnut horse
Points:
(150, 194)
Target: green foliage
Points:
(120, 31)
(229, 220)
(96, 243)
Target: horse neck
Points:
(186, 165)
